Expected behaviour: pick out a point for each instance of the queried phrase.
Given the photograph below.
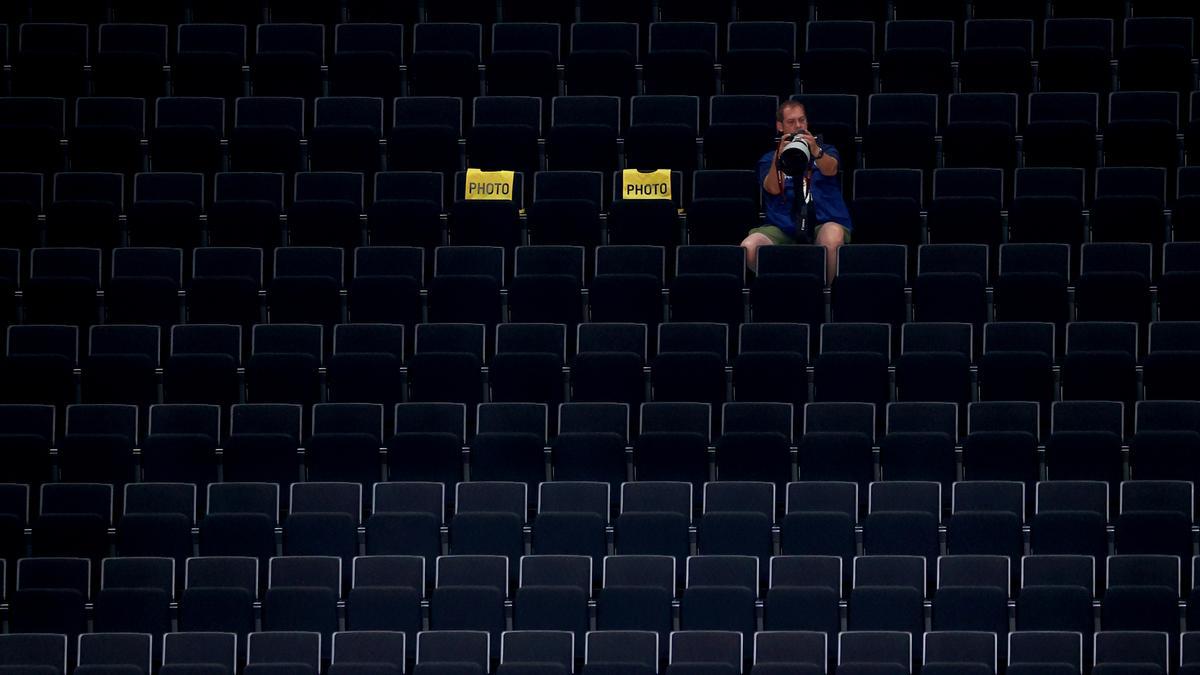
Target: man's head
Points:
(791, 117)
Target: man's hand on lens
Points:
(784, 139)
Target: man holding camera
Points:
(806, 207)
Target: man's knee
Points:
(831, 235)
(752, 243)
(756, 239)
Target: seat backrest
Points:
(369, 647)
(986, 495)
(611, 646)
(677, 417)
(284, 647)
(538, 646)
(516, 110)
(999, 33)
(317, 497)
(428, 111)
(453, 646)
(1059, 570)
(389, 570)
(643, 496)
(936, 337)
(409, 497)
(889, 570)
(1003, 416)
(905, 496)
(267, 418)
(161, 498)
(1132, 181)
(1167, 416)
(665, 109)
(1072, 495)
(974, 570)
(35, 649)
(823, 496)
(513, 418)
(856, 337)
(984, 107)
(450, 337)
(1157, 495)
(466, 37)
(906, 108)
(222, 571)
(472, 570)
(598, 110)
(693, 337)
(740, 496)
(1045, 647)
(1076, 32)
(1119, 336)
(116, 649)
(875, 647)
(582, 417)
(350, 110)
(557, 570)
(244, 498)
(791, 647)
(639, 570)
(922, 417)
(491, 497)
(705, 646)
(329, 186)
(743, 416)
(306, 571)
(838, 34)
(77, 498)
(431, 417)
(617, 36)
(888, 184)
(960, 647)
(574, 497)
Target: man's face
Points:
(794, 120)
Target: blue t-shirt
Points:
(828, 204)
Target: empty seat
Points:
(458, 650)
(299, 650)
(705, 651)
(445, 60)
(71, 518)
(62, 286)
(38, 652)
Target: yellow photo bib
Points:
(637, 184)
(493, 185)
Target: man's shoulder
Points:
(767, 157)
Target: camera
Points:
(796, 155)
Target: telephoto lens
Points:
(795, 156)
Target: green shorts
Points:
(780, 238)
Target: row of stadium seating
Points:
(665, 132)
(1084, 441)
(682, 58)
(566, 11)
(571, 208)
(687, 652)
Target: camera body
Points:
(795, 156)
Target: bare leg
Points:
(832, 236)
(751, 244)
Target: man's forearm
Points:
(771, 182)
(825, 163)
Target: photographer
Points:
(819, 215)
